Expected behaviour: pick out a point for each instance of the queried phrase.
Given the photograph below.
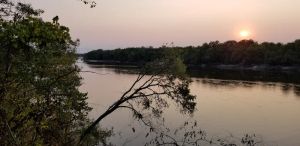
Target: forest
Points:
(244, 52)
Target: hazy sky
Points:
(125, 23)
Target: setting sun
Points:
(244, 33)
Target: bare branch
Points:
(132, 86)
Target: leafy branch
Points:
(158, 81)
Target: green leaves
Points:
(39, 82)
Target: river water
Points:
(229, 104)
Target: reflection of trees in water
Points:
(231, 84)
(248, 75)
(287, 81)
(215, 83)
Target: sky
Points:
(133, 23)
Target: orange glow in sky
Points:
(244, 33)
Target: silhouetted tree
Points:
(159, 82)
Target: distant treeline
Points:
(245, 52)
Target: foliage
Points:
(159, 83)
(245, 52)
(189, 134)
(40, 103)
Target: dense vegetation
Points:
(40, 103)
(245, 52)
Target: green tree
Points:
(40, 103)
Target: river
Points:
(229, 104)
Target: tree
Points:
(156, 84)
(40, 103)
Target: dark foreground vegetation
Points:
(40, 103)
(244, 53)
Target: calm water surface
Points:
(229, 105)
